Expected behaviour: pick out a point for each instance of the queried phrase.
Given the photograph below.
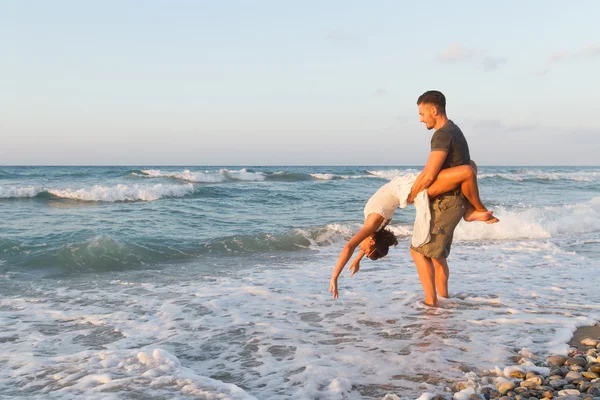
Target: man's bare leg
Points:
(426, 272)
(442, 273)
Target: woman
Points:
(374, 240)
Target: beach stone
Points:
(458, 386)
(505, 398)
(591, 353)
(590, 375)
(570, 386)
(582, 362)
(548, 394)
(576, 368)
(529, 384)
(517, 374)
(569, 392)
(486, 391)
(487, 380)
(589, 342)
(530, 374)
(557, 383)
(571, 376)
(594, 368)
(553, 377)
(538, 380)
(594, 391)
(584, 386)
(504, 387)
(556, 361)
(474, 397)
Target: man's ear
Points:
(434, 111)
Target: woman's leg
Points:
(464, 176)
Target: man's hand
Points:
(410, 199)
(333, 287)
(354, 267)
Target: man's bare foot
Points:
(480, 216)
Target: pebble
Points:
(548, 394)
(557, 383)
(569, 392)
(537, 379)
(504, 387)
(556, 361)
(517, 374)
(589, 342)
(572, 375)
(582, 362)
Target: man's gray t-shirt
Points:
(449, 138)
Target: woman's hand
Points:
(333, 287)
(354, 267)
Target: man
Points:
(449, 148)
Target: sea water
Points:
(212, 283)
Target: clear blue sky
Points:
(295, 82)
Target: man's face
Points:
(426, 115)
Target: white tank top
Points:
(392, 195)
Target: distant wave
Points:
(540, 175)
(225, 175)
(204, 177)
(100, 193)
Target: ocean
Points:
(212, 283)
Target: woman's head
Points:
(378, 244)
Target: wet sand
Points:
(584, 332)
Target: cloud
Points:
(494, 126)
(380, 92)
(339, 36)
(559, 56)
(589, 51)
(542, 72)
(492, 63)
(455, 52)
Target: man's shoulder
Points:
(450, 127)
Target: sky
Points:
(269, 82)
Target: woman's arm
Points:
(372, 222)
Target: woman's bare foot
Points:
(492, 220)
(480, 216)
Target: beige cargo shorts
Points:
(446, 213)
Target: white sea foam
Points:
(186, 175)
(538, 174)
(7, 192)
(392, 173)
(124, 192)
(277, 333)
(207, 176)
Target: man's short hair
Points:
(433, 97)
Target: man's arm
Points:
(428, 175)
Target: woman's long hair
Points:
(383, 240)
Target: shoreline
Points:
(573, 376)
